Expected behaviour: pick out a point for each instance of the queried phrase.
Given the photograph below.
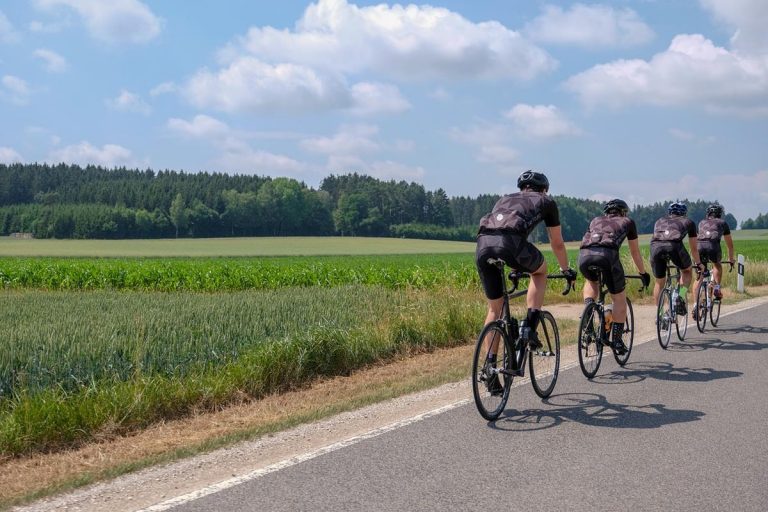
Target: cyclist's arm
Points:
(694, 250)
(729, 244)
(634, 251)
(558, 246)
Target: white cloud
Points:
(48, 27)
(349, 140)
(251, 85)
(373, 98)
(540, 121)
(163, 88)
(441, 94)
(246, 160)
(235, 154)
(54, 63)
(127, 101)
(687, 136)
(744, 197)
(116, 21)
(589, 26)
(491, 143)
(7, 33)
(406, 42)
(109, 155)
(747, 18)
(201, 126)
(381, 169)
(15, 90)
(502, 156)
(9, 156)
(691, 72)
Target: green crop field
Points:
(213, 247)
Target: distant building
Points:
(22, 236)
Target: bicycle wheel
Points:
(544, 363)
(491, 382)
(701, 307)
(629, 335)
(664, 317)
(714, 312)
(681, 325)
(590, 342)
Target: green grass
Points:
(213, 247)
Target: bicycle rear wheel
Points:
(701, 307)
(629, 335)
(681, 325)
(491, 381)
(664, 316)
(714, 313)
(590, 340)
(544, 363)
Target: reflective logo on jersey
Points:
(499, 217)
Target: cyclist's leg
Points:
(616, 284)
(659, 269)
(591, 284)
(530, 259)
(491, 278)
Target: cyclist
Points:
(711, 229)
(503, 234)
(600, 248)
(667, 243)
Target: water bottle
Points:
(674, 299)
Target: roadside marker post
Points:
(740, 270)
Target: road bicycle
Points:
(706, 303)
(492, 379)
(667, 312)
(595, 330)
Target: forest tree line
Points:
(69, 201)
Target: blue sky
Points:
(645, 100)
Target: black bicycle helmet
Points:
(715, 210)
(616, 205)
(677, 208)
(532, 179)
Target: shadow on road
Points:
(713, 340)
(639, 371)
(594, 410)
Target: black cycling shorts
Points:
(674, 252)
(710, 252)
(515, 250)
(607, 262)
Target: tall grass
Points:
(85, 365)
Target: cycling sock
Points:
(618, 331)
(588, 301)
(532, 318)
(492, 358)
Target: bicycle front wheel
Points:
(544, 363)
(714, 313)
(590, 340)
(681, 325)
(665, 315)
(629, 335)
(491, 376)
(701, 307)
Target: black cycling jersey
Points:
(673, 228)
(609, 231)
(519, 213)
(713, 229)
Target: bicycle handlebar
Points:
(568, 281)
(638, 276)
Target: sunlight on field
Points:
(266, 246)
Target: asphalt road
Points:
(683, 429)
